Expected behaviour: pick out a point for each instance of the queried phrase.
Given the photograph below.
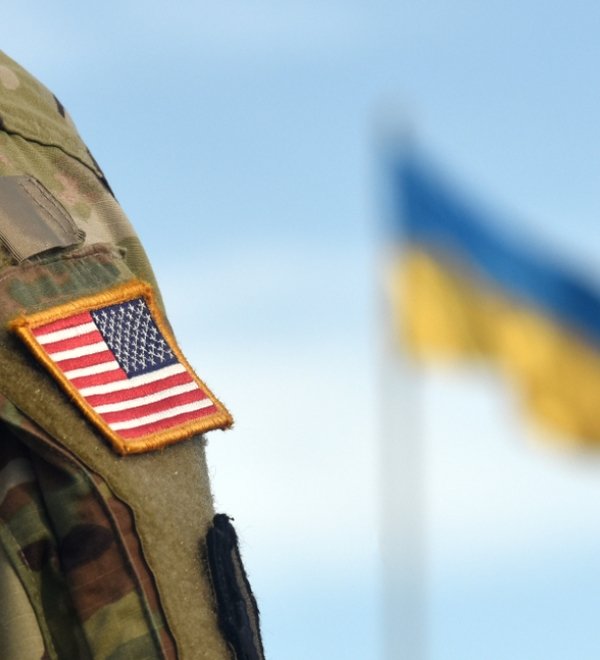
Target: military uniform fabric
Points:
(101, 556)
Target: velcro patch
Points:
(114, 355)
(31, 220)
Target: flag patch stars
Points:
(115, 356)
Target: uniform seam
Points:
(42, 143)
(11, 270)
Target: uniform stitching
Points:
(104, 250)
(41, 143)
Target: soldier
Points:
(109, 546)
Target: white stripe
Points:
(90, 349)
(101, 368)
(67, 333)
(165, 414)
(150, 398)
(119, 385)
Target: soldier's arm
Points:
(110, 546)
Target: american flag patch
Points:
(116, 358)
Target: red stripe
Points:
(99, 379)
(140, 390)
(62, 324)
(166, 423)
(86, 361)
(74, 342)
(157, 406)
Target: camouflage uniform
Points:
(101, 556)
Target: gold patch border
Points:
(24, 325)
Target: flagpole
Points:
(402, 497)
(403, 513)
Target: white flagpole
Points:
(403, 512)
(403, 500)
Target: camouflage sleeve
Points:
(101, 555)
(20, 634)
(72, 543)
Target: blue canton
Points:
(132, 336)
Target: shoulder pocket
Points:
(32, 221)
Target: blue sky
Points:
(241, 139)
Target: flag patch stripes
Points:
(115, 356)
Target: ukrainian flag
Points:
(461, 289)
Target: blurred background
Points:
(243, 141)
